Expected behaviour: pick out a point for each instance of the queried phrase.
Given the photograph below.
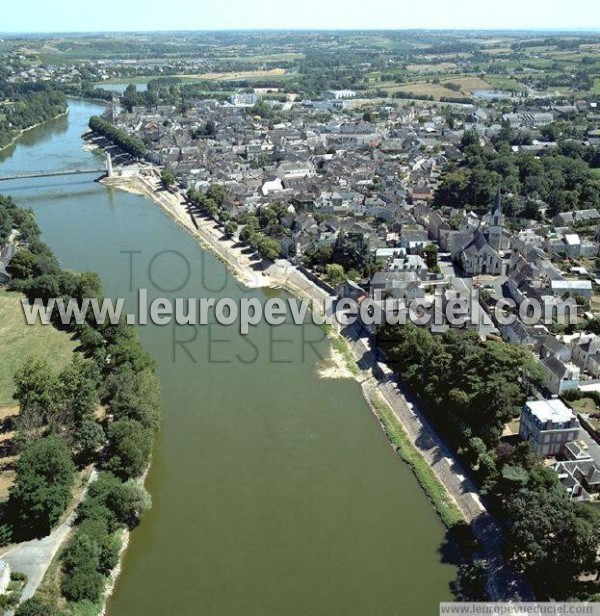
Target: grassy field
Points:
(585, 405)
(438, 90)
(19, 341)
(504, 83)
(274, 72)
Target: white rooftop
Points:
(572, 239)
(550, 410)
(571, 284)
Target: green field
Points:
(19, 341)
(504, 83)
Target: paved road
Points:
(34, 557)
(504, 584)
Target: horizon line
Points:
(487, 29)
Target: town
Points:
(417, 167)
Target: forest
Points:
(562, 177)
(129, 144)
(27, 109)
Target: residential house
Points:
(586, 353)
(548, 425)
(561, 376)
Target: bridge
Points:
(83, 168)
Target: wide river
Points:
(275, 492)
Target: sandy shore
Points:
(245, 268)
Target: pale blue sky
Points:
(119, 15)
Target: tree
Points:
(167, 178)
(268, 248)
(134, 395)
(321, 255)
(210, 129)
(82, 552)
(130, 98)
(22, 265)
(230, 228)
(551, 538)
(36, 386)
(43, 483)
(36, 607)
(431, 256)
(470, 582)
(89, 438)
(217, 193)
(77, 392)
(110, 548)
(247, 233)
(129, 447)
(351, 251)
(335, 274)
(83, 586)
(129, 501)
(42, 287)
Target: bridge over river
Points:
(84, 168)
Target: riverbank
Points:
(437, 469)
(344, 361)
(25, 130)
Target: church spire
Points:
(497, 203)
(496, 223)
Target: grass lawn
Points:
(19, 341)
(234, 75)
(585, 405)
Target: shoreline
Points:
(343, 360)
(439, 473)
(24, 130)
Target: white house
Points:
(548, 425)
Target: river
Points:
(274, 491)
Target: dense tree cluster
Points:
(93, 551)
(28, 109)
(562, 177)
(131, 145)
(13, 218)
(43, 484)
(551, 538)
(475, 387)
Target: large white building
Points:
(548, 425)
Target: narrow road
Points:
(34, 557)
(504, 584)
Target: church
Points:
(481, 255)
